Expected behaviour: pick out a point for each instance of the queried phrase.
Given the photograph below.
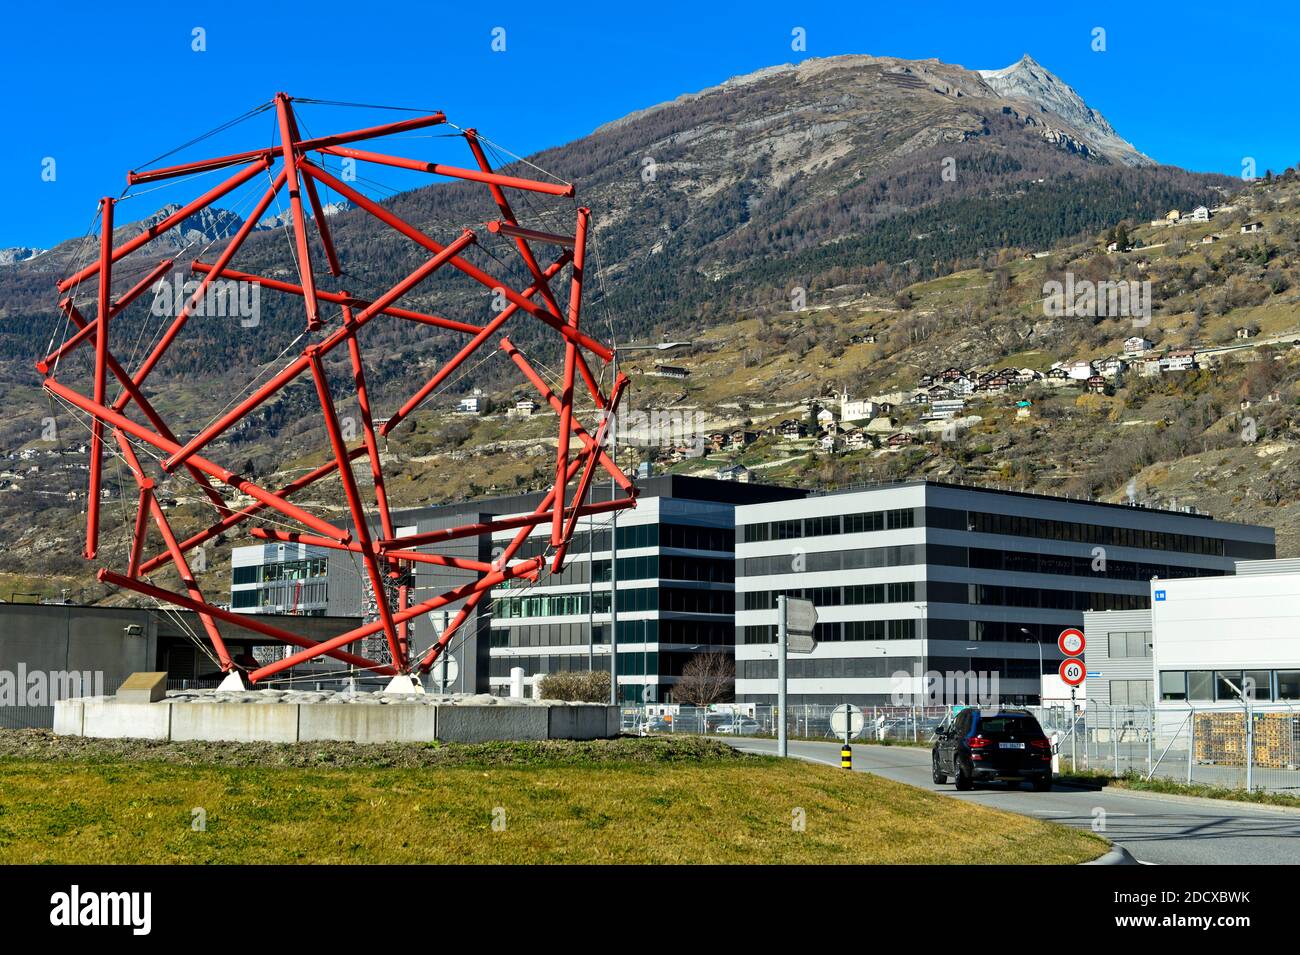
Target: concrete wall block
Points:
(478, 724)
(68, 716)
(580, 722)
(235, 722)
(391, 723)
(110, 719)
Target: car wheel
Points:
(1043, 785)
(964, 781)
(939, 777)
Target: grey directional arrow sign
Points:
(800, 619)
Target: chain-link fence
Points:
(914, 724)
(1233, 746)
(1200, 744)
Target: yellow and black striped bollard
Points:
(846, 757)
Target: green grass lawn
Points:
(484, 805)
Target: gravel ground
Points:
(44, 745)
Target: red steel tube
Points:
(460, 357)
(550, 238)
(295, 367)
(88, 328)
(522, 364)
(183, 315)
(454, 172)
(468, 268)
(338, 298)
(226, 477)
(305, 274)
(353, 495)
(238, 517)
(154, 418)
(180, 215)
(485, 583)
(101, 373)
(204, 165)
(239, 620)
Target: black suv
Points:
(1007, 745)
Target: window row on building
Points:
(838, 631)
(680, 536)
(284, 570)
(904, 592)
(690, 632)
(1017, 525)
(1217, 685)
(895, 519)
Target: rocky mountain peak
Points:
(1029, 81)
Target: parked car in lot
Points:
(1003, 745)
(740, 726)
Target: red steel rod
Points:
(238, 517)
(158, 228)
(239, 620)
(295, 367)
(295, 207)
(101, 372)
(460, 357)
(352, 493)
(322, 142)
(550, 238)
(454, 172)
(226, 477)
(468, 268)
(485, 583)
(338, 298)
(88, 329)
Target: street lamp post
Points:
(1039, 644)
(613, 527)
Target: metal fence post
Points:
(1151, 736)
(1114, 741)
(1191, 743)
(1250, 749)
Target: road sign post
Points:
(795, 620)
(847, 721)
(782, 745)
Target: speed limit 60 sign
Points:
(1071, 642)
(1072, 672)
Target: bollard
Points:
(846, 757)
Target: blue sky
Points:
(103, 88)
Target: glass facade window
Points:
(1129, 644)
(1173, 685)
(1288, 684)
(1130, 693)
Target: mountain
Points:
(1028, 80)
(916, 203)
(18, 254)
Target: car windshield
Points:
(1009, 726)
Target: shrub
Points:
(577, 686)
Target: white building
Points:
(1208, 634)
(1137, 345)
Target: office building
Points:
(918, 578)
(676, 593)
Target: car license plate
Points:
(1011, 745)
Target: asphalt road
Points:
(1162, 830)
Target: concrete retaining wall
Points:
(104, 717)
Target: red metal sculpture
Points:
(334, 321)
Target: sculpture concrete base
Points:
(298, 716)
